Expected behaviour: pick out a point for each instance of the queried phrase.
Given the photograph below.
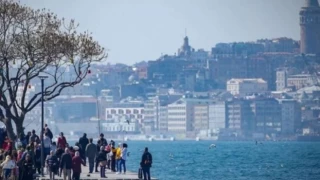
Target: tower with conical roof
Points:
(185, 49)
(310, 27)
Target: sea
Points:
(193, 160)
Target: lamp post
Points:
(42, 122)
(97, 111)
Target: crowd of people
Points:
(22, 160)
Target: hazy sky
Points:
(136, 30)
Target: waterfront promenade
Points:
(96, 176)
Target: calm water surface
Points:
(229, 160)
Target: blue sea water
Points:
(229, 160)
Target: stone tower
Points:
(310, 27)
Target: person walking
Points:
(46, 143)
(146, 163)
(77, 161)
(7, 167)
(52, 164)
(83, 141)
(91, 152)
(62, 141)
(102, 142)
(66, 164)
(102, 160)
(26, 166)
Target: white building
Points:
(217, 115)
(290, 116)
(243, 87)
(116, 114)
(121, 127)
(179, 117)
(151, 113)
(181, 114)
(281, 79)
(299, 81)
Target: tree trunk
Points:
(19, 128)
(10, 133)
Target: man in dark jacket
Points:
(146, 163)
(91, 152)
(66, 164)
(83, 141)
(102, 142)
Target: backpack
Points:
(147, 160)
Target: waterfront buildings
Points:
(290, 116)
(217, 115)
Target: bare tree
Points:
(33, 43)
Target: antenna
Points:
(185, 32)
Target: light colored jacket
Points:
(8, 165)
(124, 154)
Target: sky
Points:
(142, 30)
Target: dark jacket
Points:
(59, 153)
(102, 156)
(146, 160)
(34, 138)
(26, 170)
(91, 150)
(83, 141)
(101, 142)
(66, 161)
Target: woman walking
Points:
(8, 165)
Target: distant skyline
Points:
(140, 30)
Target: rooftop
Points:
(259, 80)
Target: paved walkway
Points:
(96, 176)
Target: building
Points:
(201, 117)
(163, 119)
(310, 27)
(243, 87)
(179, 119)
(267, 115)
(299, 81)
(217, 115)
(181, 114)
(151, 113)
(75, 108)
(239, 115)
(122, 114)
(155, 111)
(281, 81)
(290, 116)
(116, 127)
(185, 49)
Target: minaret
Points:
(310, 27)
